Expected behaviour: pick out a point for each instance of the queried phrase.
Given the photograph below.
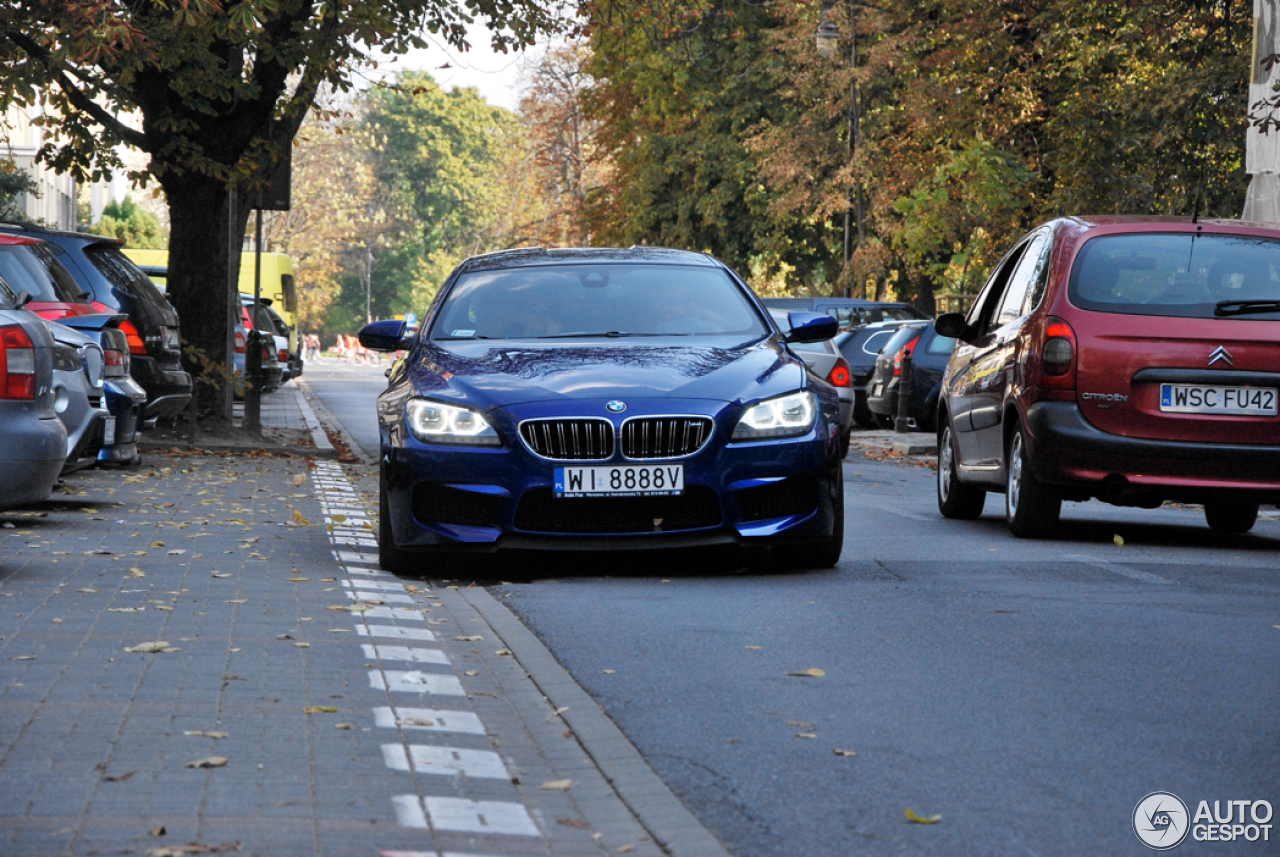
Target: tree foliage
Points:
(131, 224)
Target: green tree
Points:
(219, 88)
(14, 183)
(134, 226)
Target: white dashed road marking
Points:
(431, 719)
(404, 653)
(415, 682)
(394, 632)
(427, 759)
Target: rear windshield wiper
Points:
(1245, 307)
(582, 334)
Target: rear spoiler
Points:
(97, 321)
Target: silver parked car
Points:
(125, 398)
(826, 361)
(35, 442)
(78, 393)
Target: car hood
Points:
(491, 375)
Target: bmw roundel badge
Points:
(615, 407)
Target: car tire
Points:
(955, 499)
(1030, 507)
(390, 557)
(861, 413)
(1228, 516)
(844, 443)
(824, 553)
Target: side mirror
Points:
(811, 327)
(951, 324)
(383, 335)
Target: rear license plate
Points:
(658, 480)
(879, 388)
(1195, 399)
(109, 431)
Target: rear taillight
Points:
(282, 356)
(1058, 355)
(904, 350)
(113, 363)
(239, 342)
(840, 375)
(17, 364)
(136, 345)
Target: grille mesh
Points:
(443, 504)
(797, 495)
(664, 437)
(569, 439)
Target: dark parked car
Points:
(849, 312)
(116, 285)
(34, 448)
(1129, 359)
(860, 348)
(30, 265)
(929, 354)
(604, 399)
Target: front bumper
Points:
(1067, 450)
(490, 498)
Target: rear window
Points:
(903, 336)
(32, 268)
(124, 275)
(1179, 275)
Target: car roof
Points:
(528, 256)
(36, 230)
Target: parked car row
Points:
(90, 356)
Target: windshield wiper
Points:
(582, 334)
(1245, 307)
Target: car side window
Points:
(983, 313)
(1015, 293)
(1039, 276)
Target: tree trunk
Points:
(201, 287)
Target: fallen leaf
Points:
(799, 724)
(809, 673)
(573, 822)
(219, 574)
(164, 607)
(627, 849)
(23, 658)
(195, 733)
(236, 601)
(608, 672)
(298, 579)
(848, 754)
(753, 648)
(469, 639)
(137, 572)
(806, 735)
(320, 709)
(922, 819)
(297, 516)
(209, 762)
(157, 831)
(177, 552)
(300, 479)
(471, 672)
(96, 552)
(302, 645)
(119, 779)
(284, 636)
(557, 786)
(125, 609)
(157, 544)
(87, 590)
(338, 519)
(344, 726)
(157, 646)
(1118, 539)
(502, 652)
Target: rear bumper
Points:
(1068, 450)
(167, 385)
(32, 457)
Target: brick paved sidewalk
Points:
(356, 713)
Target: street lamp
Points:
(828, 43)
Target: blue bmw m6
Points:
(604, 400)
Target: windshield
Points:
(1182, 275)
(620, 299)
(123, 274)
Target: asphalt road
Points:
(1030, 693)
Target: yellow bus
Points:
(277, 278)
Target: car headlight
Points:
(436, 422)
(786, 416)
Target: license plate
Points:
(109, 431)
(1195, 399)
(878, 390)
(657, 480)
